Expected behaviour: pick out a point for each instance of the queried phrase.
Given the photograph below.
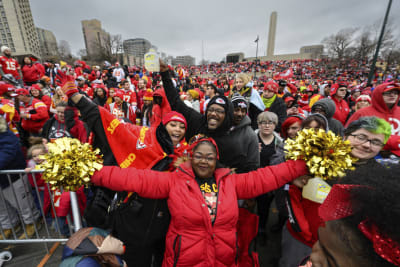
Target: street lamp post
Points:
(255, 66)
(378, 45)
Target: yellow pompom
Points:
(325, 154)
(70, 164)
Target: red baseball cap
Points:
(389, 86)
(6, 87)
(22, 91)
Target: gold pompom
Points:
(325, 154)
(70, 164)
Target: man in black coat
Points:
(216, 123)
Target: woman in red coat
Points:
(202, 200)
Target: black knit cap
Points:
(224, 102)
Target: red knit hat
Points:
(148, 95)
(35, 86)
(174, 116)
(271, 86)
(364, 98)
(119, 94)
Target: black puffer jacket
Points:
(228, 146)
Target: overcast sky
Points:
(179, 27)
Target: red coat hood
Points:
(379, 104)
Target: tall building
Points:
(48, 44)
(136, 47)
(184, 60)
(271, 34)
(95, 37)
(17, 29)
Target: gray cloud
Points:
(178, 27)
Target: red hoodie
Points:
(380, 110)
(342, 110)
(159, 111)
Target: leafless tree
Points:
(337, 45)
(107, 48)
(64, 49)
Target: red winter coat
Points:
(306, 214)
(37, 115)
(380, 110)
(342, 110)
(31, 73)
(192, 240)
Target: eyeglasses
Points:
(206, 158)
(362, 138)
(266, 123)
(216, 111)
(391, 92)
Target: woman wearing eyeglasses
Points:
(203, 201)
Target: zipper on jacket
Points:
(178, 240)
(216, 207)
(237, 249)
(151, 221)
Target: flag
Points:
(284, 75)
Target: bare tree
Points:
(364, 45)
(339, 43)
(107, 48)
(64, 49)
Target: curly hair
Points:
(376, 200)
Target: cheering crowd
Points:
(194, 156)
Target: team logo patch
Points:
(220, 101)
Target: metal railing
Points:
(22, 207)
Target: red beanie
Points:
(35, 86)
(174, 116)
(364, 98)
(119, 94)
(271, 86)
(287, 123)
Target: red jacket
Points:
(37, 115)
(380, 110)
(342, 110)
(47, 100)
(31, 73)
(306, 214)
(192, 240)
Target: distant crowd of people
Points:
(194, 156)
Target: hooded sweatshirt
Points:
(380, 110)
(248, 146)
(329, 107)
(197, 124)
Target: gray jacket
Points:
(247, 143)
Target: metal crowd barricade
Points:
(43, 231)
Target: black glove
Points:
(69, 114)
